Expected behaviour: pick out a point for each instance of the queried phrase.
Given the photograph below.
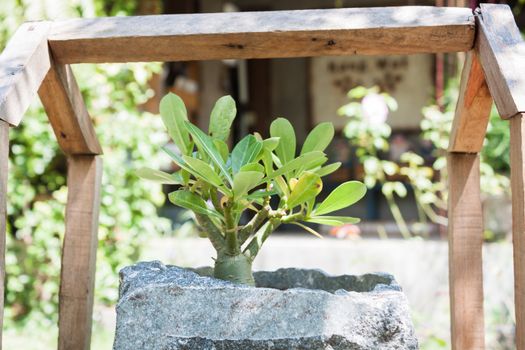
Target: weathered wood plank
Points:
(300, 33)
(23, 65)
(472, 110)
(517, 176)
(465, 234)
(502, 55)
(79, 252)
(67, 112)
(4, 155)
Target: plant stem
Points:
(398, 217)
(288, 219)
(215, 236)
(432, 215)
(257, 241)
(215, 200)
(422, 218)
(237, 268)
(232, 245)
(253, 225)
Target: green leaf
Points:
(358, 92)
(310, 206)
(179, 177)
(315, 163)
(296, 163)
(343, 196)
(327, 170)
(205, 171)
(310, 165)
(187, 169)
(205, 143)
(253, 167)
(177, 159)
(245, 181)
(271, 143)
(173, 113)
(285, 150)
(308, 229)
(222, 117)
(191, 201)
(267, 161)
(333, 220)
(222, 147)
(245, 152)
(158, 176)
(319, 138)
(276, 160)
(308, 186)
(261, 194)
(282, 186)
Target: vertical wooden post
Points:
(517, 173)
(465, 234)
(79, 252)
(4, 154)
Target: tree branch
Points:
(253, 225)
(215, 200)
(252, 249)
(214, 234)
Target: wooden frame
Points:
(37, 60)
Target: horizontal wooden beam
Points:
(243, 35)
(502, 55)
(67, 112)
(23, 65)
(472, 110)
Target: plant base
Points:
(237, 269)
(166, 307)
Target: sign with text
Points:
(407, 78)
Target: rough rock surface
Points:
(170, 308)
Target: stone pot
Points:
(170, 308)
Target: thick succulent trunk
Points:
(234, 268)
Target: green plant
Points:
(37, 176)
(219, 185)
(369, 135)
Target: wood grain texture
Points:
(67, 112)
(79, 252)
(300, 33)
(472, 110)
(517, 177)
(4, 155)
(502, 55)
(465, 234)
(23, 65)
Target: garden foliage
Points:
(37, 176)
(370, 136)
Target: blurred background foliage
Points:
(369, 134)
(37, 178)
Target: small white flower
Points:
(375, 109)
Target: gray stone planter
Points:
(170, 308)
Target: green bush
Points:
(37, 184)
